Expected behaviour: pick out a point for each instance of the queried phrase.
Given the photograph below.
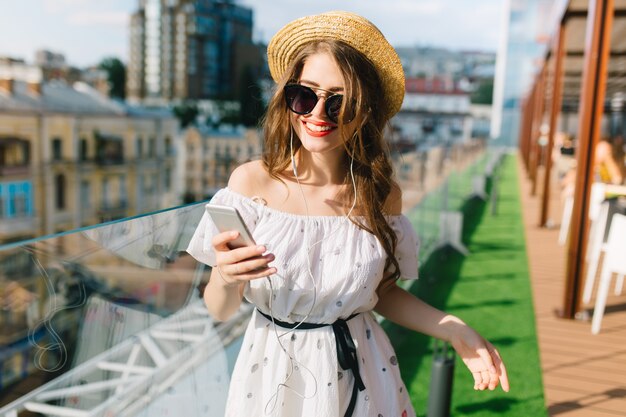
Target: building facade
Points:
(189, 49)
(69, 157)
(211, 156)
(435, 111)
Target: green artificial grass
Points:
(490, 290)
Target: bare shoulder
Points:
(393, 204)
(247, 179)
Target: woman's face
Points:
(316, 131)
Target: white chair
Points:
(597, 196)
(598, 191)
(566, 218)
(599, 212)
(595, 247)
(614, 262)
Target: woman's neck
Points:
(321, 169)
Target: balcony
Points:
(14, 156)
(109, 150)
(14, 170)
(133, 332)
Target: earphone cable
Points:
(292, 360)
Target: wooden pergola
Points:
(584, 67)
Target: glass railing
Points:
(109, 320)
(450, 177)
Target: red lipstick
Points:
(315, 133)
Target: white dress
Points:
(346, 263)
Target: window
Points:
(139, 147)
(152, 147)
(57, 149)
(20, 204)
(15, 199)
(85, 194)
(139, 191)
(105, 193)
(59, 182)
(168, 179)
(83, 150)
(123, 190)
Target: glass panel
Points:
(109, 320)
(435, 184)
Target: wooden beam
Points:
(582, 14)
(535, 148)
(559, 46)
(597, 51)
(611, 74)
(581, 54)
(526, 129)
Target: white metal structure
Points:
(128, 379)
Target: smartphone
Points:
(226, 219)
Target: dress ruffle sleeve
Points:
(407, 248)
(200, 246)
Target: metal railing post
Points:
(442, 375)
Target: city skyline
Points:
(86, 31)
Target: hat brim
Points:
(353, 30)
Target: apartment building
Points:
(190, 49)
(70, 157)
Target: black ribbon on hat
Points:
(346, 350)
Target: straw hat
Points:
(350, 28)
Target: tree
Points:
(116, 71)
(251, 107)
(186, 113)
(484, 92)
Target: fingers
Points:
(249, 268)
(478, 380)
(241, 264)
(220, 241)
(504, 377)
(499, 373)
(494, 371)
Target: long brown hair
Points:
(373, 172)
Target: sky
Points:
(86, 31)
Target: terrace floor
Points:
(584, 375)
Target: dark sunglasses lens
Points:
(333, 107)
(300, 99)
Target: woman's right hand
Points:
(237, 266)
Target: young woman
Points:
(609, 162)
(326, 214)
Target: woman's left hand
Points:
(481, 358)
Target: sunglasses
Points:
(302, 100)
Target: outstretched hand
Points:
(482, 359)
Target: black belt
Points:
(346, 350)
